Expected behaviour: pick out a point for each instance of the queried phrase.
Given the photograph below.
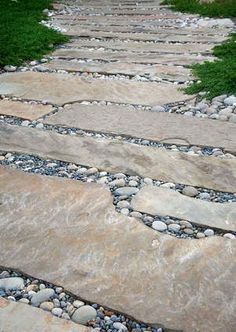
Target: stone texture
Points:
(115, 156)
(167, 72)
(61, 88)
(18, 317)
(180, 283)
(163, 201)
(133, 46)
(128, 57)
(164, 127)
(22, 110)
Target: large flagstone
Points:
(162, 201)
(63, 88)
(163, 127)
(19, 317)
(24, 110)
(68, 233)
(178, 74)
(115, 156)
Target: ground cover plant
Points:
(22, 36)
(218, 8)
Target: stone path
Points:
(143, 225)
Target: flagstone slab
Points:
(164, 127)
(163, 202)
(128, 57)
(63, 88)
(116, 156)
(77, 31)
(24, 110)
(68, 233)
(179, 74)
(19, 317)
(141, 47)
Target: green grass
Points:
(218, 77)
(22, 37)
(218, 8)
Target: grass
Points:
(218, 8)
(218, 77)
(22, 37)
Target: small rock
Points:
(39, 126)
(123, 204)
(117, 183)
(48, 306)
(78, 304)
(230, 100)
(158, 108)
(25, 123)
(188, 231)
(126, 191)
(190, 191)
(4, 274)
(84, 314)
(174, 227)
(209, 232)
(125, 211)
(41, 69)
(159, 226)
(119, 176)
(11, 284)
(230, 236)
(135, 214)
(205, 196)
(65, 316)
(23, 300)
(133, 183)
(92, 170)
(57, 312)
(200, 235)
(42, 296)
(148, 181)
(32, 287)
(120, 326)
(9, 68)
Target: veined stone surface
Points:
(61, 88)
(139, 47)
(163, 201)
(180, 285)
(167, 72)
(23, 110)
(114, 156)
(164, 127)
(19, 317)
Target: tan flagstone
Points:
(141, 47)
(63, 88)
(19, 317)
(163, 127)
(180, 74)
(163, 202)
(115, 156)
(24, 110)
(68, 233)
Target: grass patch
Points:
(218, 77)
(22, 37)
(218, 8)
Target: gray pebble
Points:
(42, 296)
(230, 236)
(57, 312)
(209, 232)
(128, 191)
(11, 284)
(174, 227)
(159, 226)
(84, 314)
(48, 306)
(120, 326)
(190, 191)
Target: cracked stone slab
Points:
(115, 156)
(63, 88)
(24, 110)
(128, 57)
(163, 202)
(183, 285)
(19, 317)
(179, 74)
(77, 31)
(163, 127)
(141, 47)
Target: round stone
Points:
(200, 235)
(230, 236)
(209, 232)
(48, 306)
(84, 314)
(23, 300)
(92, 171)
(188, 231)
(117, 183)
(231, 100)
(25, 123)
(174, 227)
(119, 176)
(205, 196)
(32, 287)
(126, 191)
(148, 181)
(190, 191)
(159, 226)
(185, 224)
(42, 296)
(9, 68)
(123, 204)
(57, 312)
(133, 183)
(119, 326)
(125, 211)
(78, 303)
(158, 108)
(11, 284)
(136, 214)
